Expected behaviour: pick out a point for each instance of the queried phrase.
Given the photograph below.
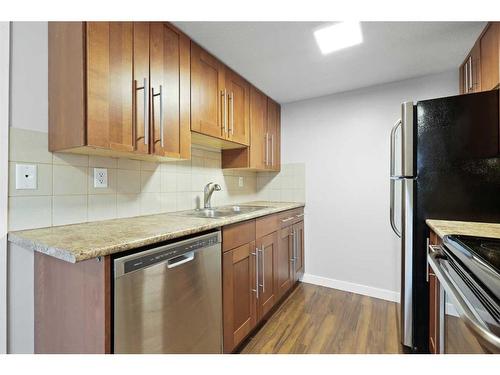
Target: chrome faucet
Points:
(208, 191)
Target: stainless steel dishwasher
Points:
(169, 299)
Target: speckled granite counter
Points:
(77, 242)
(443, 227)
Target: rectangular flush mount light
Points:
(337, 36)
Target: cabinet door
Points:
(284, 261)
(267, 248)
(475, 68)
(141, 86)
(238, 107)
(299, 250)
(207, 93)
(169, 91)
(109, 85)
(238, 290)
(274, 136)
(434, 304)
(259, 151)
(489, 51)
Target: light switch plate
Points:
(100, 178)
(26, 176)
(240, 182)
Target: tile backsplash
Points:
(65, 191)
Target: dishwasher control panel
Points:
(164, 253)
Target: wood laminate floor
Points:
(315, 319)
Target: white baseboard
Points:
(346, 286)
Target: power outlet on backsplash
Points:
(100, 178)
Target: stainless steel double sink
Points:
(220, 212)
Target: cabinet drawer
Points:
(265, 225)
(290, 217)
(238, 234)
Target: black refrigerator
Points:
(445, 164)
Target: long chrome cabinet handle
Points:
(231, 123)
(272, 149)
(466, 68)
(162, 130)
(471, 84)
(224, 104)
(287, 219)
(267, 149)
(299, 215)
(160, 94)
(263, 285)
(256, 290)
(479, 329)
(146, 111)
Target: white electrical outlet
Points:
(26, 176)
(100, 178)
(240, 182)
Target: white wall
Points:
(4, 154)
(343, 139)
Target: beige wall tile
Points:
(128, 181)
(184, 166)
(150, 203)
(30, 212)
(169, 202)
(101, 207)
(29, 146)
(128, 205)
(112, 177)
(151, 181)
(129, 164)
(183, 182)
(44, 181)
(69, 180)
(69, 209)
(70, 159)
(168, 182)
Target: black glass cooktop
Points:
(481, 256)
(488, 249)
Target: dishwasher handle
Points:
(181, 259)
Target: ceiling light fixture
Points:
(337, 36)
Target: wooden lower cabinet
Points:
(267, 249)
(298, 271)
(238, 288)
(284, 261)
(434, 303)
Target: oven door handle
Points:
(478, 328)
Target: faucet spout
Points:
(208, 191)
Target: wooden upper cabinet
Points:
(170, 91)
(489, 51)
(258, 129)
(109, 85)
(274, 135)
(207, 93)
(238, 103)
(103, 91)
(140, 91)
(239, 304)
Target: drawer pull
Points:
(300, 215)
(287, 219)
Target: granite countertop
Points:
(78, 242)
(444, 227)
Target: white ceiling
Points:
(283, 60)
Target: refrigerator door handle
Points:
(393, 178)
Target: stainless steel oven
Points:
(469, 311)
